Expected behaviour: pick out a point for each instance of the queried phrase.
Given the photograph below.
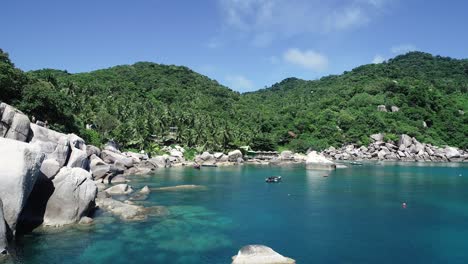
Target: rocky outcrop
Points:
(260, 254)
(19, 169)
(319, 162)
(406, 149)
(73, 197)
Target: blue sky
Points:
(244, 44)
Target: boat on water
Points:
(355, 163)
(273, 179)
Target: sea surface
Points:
(354, 215)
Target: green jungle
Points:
(148, 105)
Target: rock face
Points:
(73, 197)
(19, 169)
(259, 254)
(3, 232)
(319, 162)
(14, 124)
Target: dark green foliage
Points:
(146, 105)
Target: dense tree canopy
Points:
(145, 105)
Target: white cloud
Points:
(239, 83)
(378, 59)
(262, 21)
(308, 59)
(404, 48)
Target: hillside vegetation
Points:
(146, 105)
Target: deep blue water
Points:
(353, 216)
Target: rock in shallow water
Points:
(119, 189)
(319, 162)
(260, 254)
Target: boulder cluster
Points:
(406, 149)
(219, 158)
(44, 176)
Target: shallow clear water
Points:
(353, 216)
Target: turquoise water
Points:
(353, 216)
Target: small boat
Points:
(196, 166)
(355, 163)
(273, 179)
(209, 165)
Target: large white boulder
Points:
(19, 169)
(260, 254)
(318, 161)
(234, 155)
(73, 197)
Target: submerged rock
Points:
(123, 210)
(260, 254)
(119, 189)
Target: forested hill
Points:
(140, 105)
(342, 109)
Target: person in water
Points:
(403, 205)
